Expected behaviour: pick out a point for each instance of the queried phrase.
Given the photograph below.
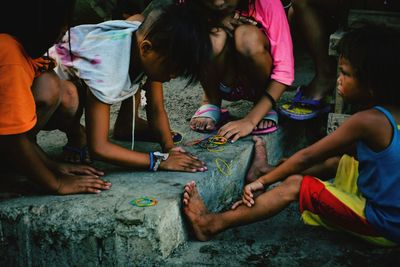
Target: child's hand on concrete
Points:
(177, 149)
(76, 169)
(182, 161)
(69, 184)
(235, 129)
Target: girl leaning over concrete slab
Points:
(253, 60)
(115, 60)
(363, 199)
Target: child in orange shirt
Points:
(32, 97)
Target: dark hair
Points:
(215, 16)
(36, 23)
(130, 7)
(373, 53)
(181, 35)
(244, 5)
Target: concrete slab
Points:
(91, 230)
(105, 230)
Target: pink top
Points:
(271, 15)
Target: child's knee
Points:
(70, 97)
(332, 163)
(292, 186)
(218, 39)
(249, 41)
(47, 90)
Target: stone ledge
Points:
(91, 230)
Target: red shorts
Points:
(338, 205)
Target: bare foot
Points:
(202, 124)
(260, 165)
(196, 212)
(264, 124)
(75, 150)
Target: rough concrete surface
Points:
(106, 230)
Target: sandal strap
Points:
(209, 111)
(271, 116)
(298, 100)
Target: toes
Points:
(189, 187)
(202, 124)
(257, 139)
(210, 125)
(186, 196)
(186, 190)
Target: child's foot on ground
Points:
(202, 124)
(208, 118)
(260, 165)
(75, 151)
(196, 212)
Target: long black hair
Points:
(214, 16)
(181, 35)
(37, 24)
(373, 53)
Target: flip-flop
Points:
(302, 108)
(82, 152)
(218, 115)
(271, 116)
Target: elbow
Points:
(97, 151)
(305, 159)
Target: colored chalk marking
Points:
(223, 167)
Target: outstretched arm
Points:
(157, 116)
(337, 143)
(97, 126)
(35, 165)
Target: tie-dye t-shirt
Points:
(100, 56)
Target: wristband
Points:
(151, 167)
(159, 157)
(273, 102)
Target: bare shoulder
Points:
(376, 128)
(369, 115)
